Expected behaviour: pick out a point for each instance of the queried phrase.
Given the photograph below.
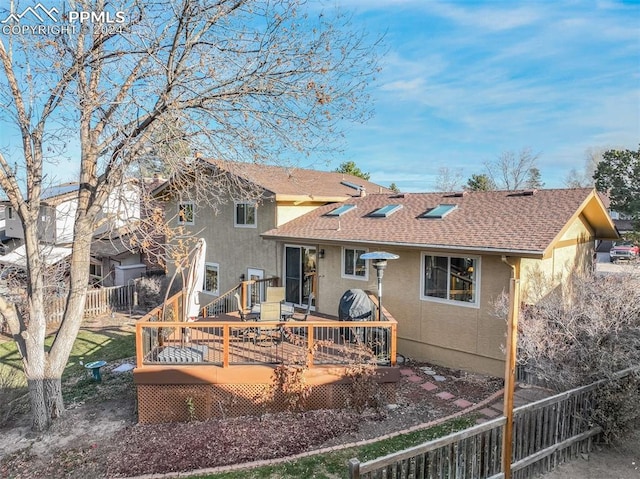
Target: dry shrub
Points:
(289, 388)
(582, 331)
(365, 391)
(151, 291)
(617, 406)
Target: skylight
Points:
(340, 210)
(385, 211)
(439, 211)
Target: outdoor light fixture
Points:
(379, 259)
(321, 254)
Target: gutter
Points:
(515, 268)
(323, 199)
(510, 252)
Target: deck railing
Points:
(160, 339)
(229, 343)
(249, 291)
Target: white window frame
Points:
(216, 267)
(477, 273)
(343, 264)
(181, 221)
(95, 274)
(235, 214)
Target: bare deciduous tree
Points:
(245, 80)
(448, 179)
(511, 170)
(584, 179)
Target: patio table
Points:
(286, 310)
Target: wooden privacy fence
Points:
(98, 301)
(545, 433)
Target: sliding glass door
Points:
(299, 273)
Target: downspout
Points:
(510, 364)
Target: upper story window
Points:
(211, 275)
(185, 213)
(352, 266)
(245, 215)
(450, 279)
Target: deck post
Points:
(139, 345)
(243, 295)
(310, 346)
(510, 375)
(225, 345)
(394, 343)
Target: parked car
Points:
(624, 250)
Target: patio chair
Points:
(293, 334)
(245, 315)
(307, 311)
(270, 311)
(275, 294)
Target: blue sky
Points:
(463, 82)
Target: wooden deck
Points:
(225, 366)
(256, 342)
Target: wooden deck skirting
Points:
(224, 366)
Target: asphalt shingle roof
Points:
(488, 220)
(298, 181)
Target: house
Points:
(457, 253)
(56, 223)
(58, 208)
(254, 199)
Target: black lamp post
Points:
(379, 259)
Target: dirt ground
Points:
(101, 438)
(620, 461)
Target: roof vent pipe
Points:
(363, 192)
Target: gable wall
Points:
(234, 249)
(574, 251)
(288, 212)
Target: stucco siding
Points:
(574, 252)
(447, 334)
(288, 212)
(234, 249)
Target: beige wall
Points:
(234, 249)
(574, 251)
(447, 334)
(288, 212)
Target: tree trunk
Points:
(39, 414)
(53, 397)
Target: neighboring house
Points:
(457, 253)
(6, 243)
(115, 260)
(235, 249)
(56, 222)
(58, 211)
